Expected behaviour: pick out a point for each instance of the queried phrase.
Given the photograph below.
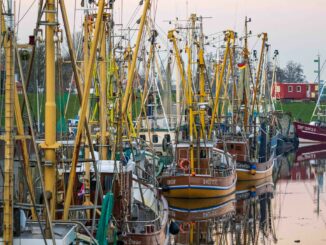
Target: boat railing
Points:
(146, 177)
(149, 226)
(159, 122)
(176, 171)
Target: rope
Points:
(29, 8)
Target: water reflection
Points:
(286, 208)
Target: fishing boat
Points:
(244, 127)
(247, 169)
(199, 169)
(315, 131)
(148, 212)
(212, 176)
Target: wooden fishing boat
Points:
(247, 169)
(213, 176)
(148, 209)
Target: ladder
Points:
(9, 143)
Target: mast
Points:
(87, 178)
(83, 111)
(259, 73)
(131, 71)
(229, 35)
(50, 145)
(188, 91)
(103, 92)
(202, 93)
(9, 142)
(246, 61)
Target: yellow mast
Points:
(20, 130)
(246, 60)
(87, 178)
(103, 93)
(202, 92)
(258, 75)
(8, 192)
(131, 71)
(50, 145)
(187, 90)
(84, 107)
(229, 36)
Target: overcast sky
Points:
(297, 28)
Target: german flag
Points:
(242, 65)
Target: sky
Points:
(296, 28)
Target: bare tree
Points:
(293, 72)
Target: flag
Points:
(81, 191)
(242, 65)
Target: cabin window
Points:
(203, 154)
(168, 138)
(238, 148)
(278, 89)
(232, 146)
(316, 88)
(298, 89)
(143, 137)
(290, 89)
(183, 154)
(155, 138)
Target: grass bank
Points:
(298, 110)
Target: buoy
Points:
(184, 164)
(174, 228)
(253, 169)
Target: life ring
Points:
(184, 227)
(184, 164)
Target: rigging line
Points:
(29, 8)
(133, 15)
(74, 25)
(165, 117)
(19, 6)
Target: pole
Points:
(258, 74)
(103, 93)
(8, 191)
(83, 112)
(131, 72)
(50, 145)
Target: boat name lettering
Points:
(306, 128)
(171, 182)
(134, 242)
(210, 181)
